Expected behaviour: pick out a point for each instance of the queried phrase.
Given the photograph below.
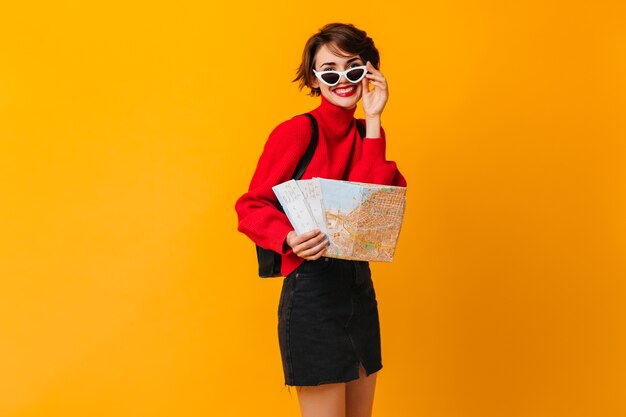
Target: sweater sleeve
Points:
(372, 166)
(257, 210)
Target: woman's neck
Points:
(335, 115)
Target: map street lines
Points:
(362, 221)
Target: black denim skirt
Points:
(328, 323)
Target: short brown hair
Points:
(343, 38)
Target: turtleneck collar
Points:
(335, 115)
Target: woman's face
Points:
(345, 94)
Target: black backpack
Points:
(270, 261)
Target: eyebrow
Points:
(356, 58)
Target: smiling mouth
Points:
(345, 91)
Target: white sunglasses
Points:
(331, 78)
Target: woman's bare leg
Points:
(350, 399)
(326, 400)
(360, 395)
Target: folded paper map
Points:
(362, 221)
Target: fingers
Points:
(365, 84)
(375, 77)
(310, 245)
(374, 100)
(315, 252)
(371, 68)
(294, 239)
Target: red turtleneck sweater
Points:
(340, 154)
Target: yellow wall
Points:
(128, 130)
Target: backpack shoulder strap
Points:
(310, 150)
(361, 128)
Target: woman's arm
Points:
(257, 209)
(371, 166)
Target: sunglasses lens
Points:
(355, 74)
(330, 77)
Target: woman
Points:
(328, 326)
